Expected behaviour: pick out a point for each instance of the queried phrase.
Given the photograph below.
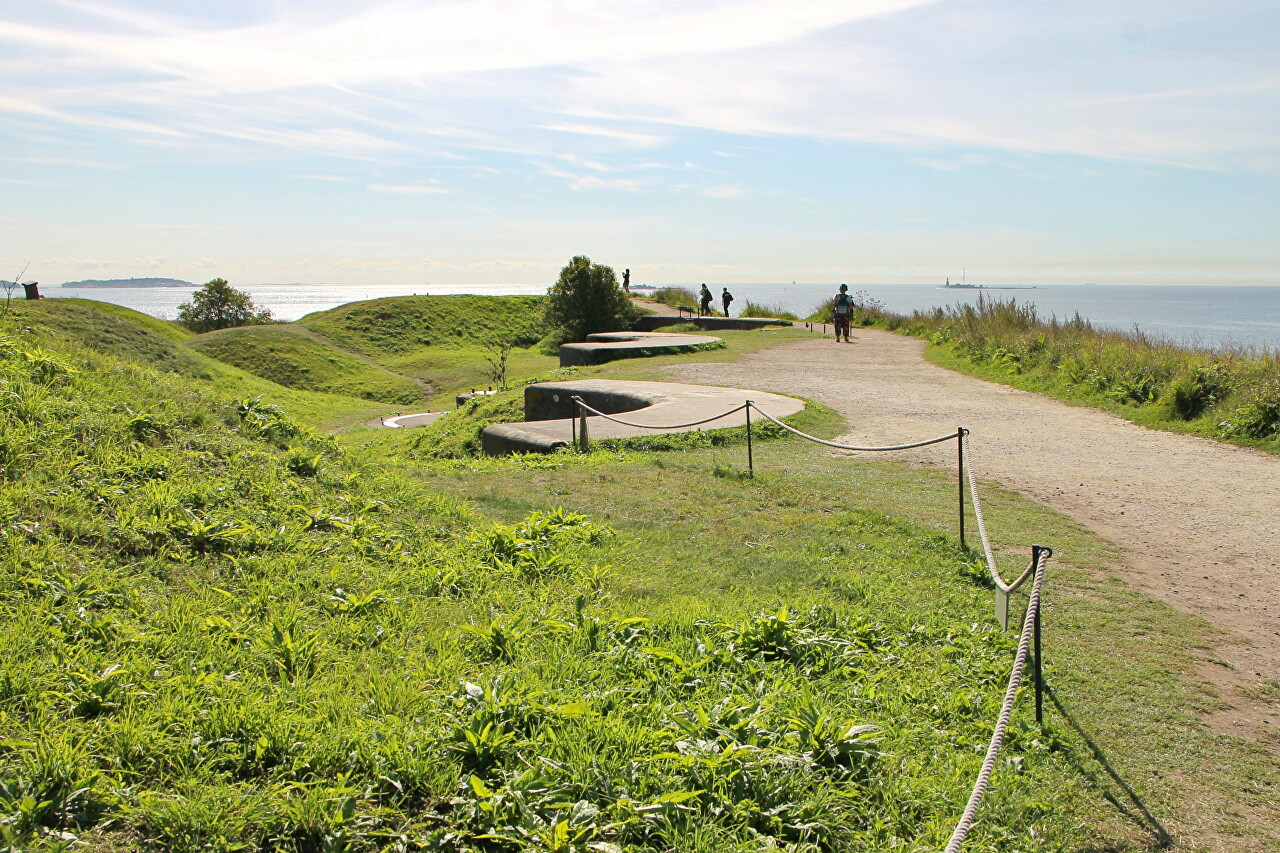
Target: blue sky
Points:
(726, 140)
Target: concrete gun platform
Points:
(607, 346)
(652, 322)
(549, 410)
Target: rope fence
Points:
(1029, 641)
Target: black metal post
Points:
(960, 431)
(751, 466)
(1039, 668)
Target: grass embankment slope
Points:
(144, 340)
(1230, 395)
(219, 633)
(413, 352)
(289, 355)
(222, 631)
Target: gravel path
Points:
(1195, 519)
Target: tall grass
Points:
(1232, 394)
(757, 309)
(676, 297)
(868, 311)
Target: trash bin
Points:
(32, 288)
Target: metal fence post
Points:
(751, 467)
(960, 433)
(1036, 551)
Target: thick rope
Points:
(982, 526)
(1006, 710)
(816, 440)
(578, 400)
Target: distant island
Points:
(129, 282)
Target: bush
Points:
(218, 305)
(1196, 389)
(755, 309)
(588, 299)
(1260, 417)
(676, 297)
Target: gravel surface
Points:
(1195, 520)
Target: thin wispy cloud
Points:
(410, 189)
(761, 67)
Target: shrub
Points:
(218, 305)
(1196, 389)
(755, 309)
(586, 299)
(1260, 417)
(676, 297)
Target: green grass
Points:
(757, 309)
(1228, 395)
(676, 297)
(138, 339)
(223, 631)
(402, 325)
(111, 329)
(457, 369)
(291, 356)
(1122, 665)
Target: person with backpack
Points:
(727, 297)
(704, 300)
(842, 311)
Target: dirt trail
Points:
(1197, 520)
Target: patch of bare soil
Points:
(1195, 520)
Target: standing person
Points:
(727, 297)
(704, 297)
(626, 280)
(842, 310)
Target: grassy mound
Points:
(400, 325)
(112, 329)
(290, 356)
(220, 633)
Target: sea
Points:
(1210, 317)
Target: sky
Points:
(489, 141)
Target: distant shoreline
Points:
(129, 282)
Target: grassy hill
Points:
(140, 339)
(219, 633)
(112, 329)
(292, 356)
(397, 326)
(222, 631)
(396, 350)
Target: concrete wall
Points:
(548, 402)
(654, 322)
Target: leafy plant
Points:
(587, 298)
(218, 305)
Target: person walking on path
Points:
(727, 297)
(705, 300)
(842, 311)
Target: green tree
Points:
(588, 299)
(218, 305)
